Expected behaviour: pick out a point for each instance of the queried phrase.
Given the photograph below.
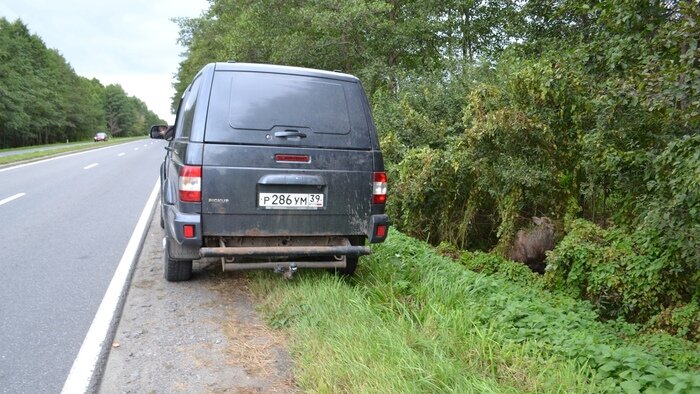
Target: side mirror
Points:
(161, 132)
(158, 131)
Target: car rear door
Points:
(286, 154)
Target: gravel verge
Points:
(201, 336)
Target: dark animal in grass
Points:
(530, 245)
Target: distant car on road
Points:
(101, 137)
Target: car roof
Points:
(271, 68)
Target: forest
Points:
(491, 112)
(43, 100)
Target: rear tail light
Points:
(380, 232)
(190, 184)
(284, 158)
(188, 230)
(379, 188)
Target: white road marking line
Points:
(121, 154)
(12, 198)
(83, 370)
(145, 145)
(90, 166)
(136, 148)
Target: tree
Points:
(42, 100)
(117, 110)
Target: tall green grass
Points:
(414, 321)
(59, 149)
(54, 145)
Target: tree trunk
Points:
(467, 44)
(392, 55)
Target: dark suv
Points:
(271, 167)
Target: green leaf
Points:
(609, 366)
(630, 387)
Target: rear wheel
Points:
(351, 261)
(350, 267)
(175, 270)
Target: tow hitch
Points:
(288, 268)
(287, 272)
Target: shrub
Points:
(682, 321)
(430, 186)
(616, 271)
(671, 220)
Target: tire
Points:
(351, 262)
(351, 266)
(175, 270)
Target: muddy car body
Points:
(271, 167)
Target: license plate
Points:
(290, 200)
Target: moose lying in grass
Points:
(530, 245)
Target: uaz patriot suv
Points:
(271, 167)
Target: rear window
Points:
(256, 108)
(265, 101)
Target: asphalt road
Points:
(64, 224)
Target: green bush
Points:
(682, 321)
(614, 270)
(427, 195)
(671, 220)
(471, 166)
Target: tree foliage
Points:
(42, 100)
(491, 112)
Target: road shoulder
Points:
(198, 336)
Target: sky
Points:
(128, 42)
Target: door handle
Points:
(289, 134)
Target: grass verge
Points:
(414, 321)
(59, 149)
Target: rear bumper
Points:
(286, 251)
(175, 221)
(375, 221)
(282, 247)
(294, 224)
(191, 247)
(281, 223)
